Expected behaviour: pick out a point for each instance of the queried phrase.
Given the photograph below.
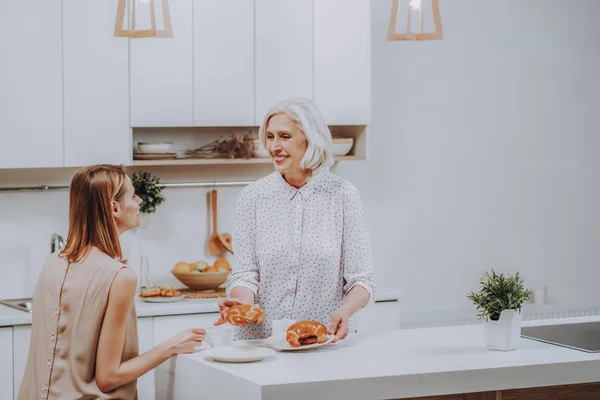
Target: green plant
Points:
(499, 292)
(148, 188)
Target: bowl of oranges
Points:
(200, 275)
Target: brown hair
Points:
(91, 222)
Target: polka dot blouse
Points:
(299, 250)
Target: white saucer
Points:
(278, 342)
(237, 354)
(162, 299)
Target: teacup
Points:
(219, 335)
(280, 326)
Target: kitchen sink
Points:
(19, 304)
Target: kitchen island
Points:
(399, 364)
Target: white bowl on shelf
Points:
(155, 147)
(342, 146)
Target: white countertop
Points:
(10, 316)
(395, 364)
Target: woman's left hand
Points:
(339, 324)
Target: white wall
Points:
(484, 151)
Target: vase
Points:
(505, 333)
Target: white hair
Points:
(309, 119)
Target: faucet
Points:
(56, 242)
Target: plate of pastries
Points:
(160, 294)
(301, 335)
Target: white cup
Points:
(219, 335)
(280, 326)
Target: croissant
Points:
(306, 332)
(244, 314)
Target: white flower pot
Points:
(505, 333)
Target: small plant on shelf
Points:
(148, 188)
(499, 292)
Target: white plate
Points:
(162, 299)
(237, 354)
(278, 342)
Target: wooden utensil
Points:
(226, 241)
(215, 247)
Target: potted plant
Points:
(148, 188)
(499, 302)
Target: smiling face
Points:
(127, 209)
(286, 145)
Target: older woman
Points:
(301, 248)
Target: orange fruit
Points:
(211, 269)
(222, 264)
(183, 266)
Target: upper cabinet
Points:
(71, 92)
(223, 63)
(162, 83)
(230, 61)
(342, 60)
(96, 85)
(31, 99)
(284, 52)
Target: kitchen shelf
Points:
(220, 161)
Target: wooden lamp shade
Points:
(408, 34)
(135, 32)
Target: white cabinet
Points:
(146, 342)
(283, 52)
(379, 317)
(31, 111)
(21, 341)
(342, 60)
(161, 75)
(96, 85)
(6, 363)
(223, 63)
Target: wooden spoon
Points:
(215, 247)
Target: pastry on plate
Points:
(306, 332)
(158, 291)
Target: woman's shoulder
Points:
(263, 185)
(104, 265)
(98, 256)
(338, 185)
(54, 263)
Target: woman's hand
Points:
(185, 342)
(339, 324)
(224, 306)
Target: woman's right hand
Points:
(185, 342)
(224, 306)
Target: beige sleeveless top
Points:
(69, 303)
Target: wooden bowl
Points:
(202, 280)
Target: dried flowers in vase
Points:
(234, 147)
